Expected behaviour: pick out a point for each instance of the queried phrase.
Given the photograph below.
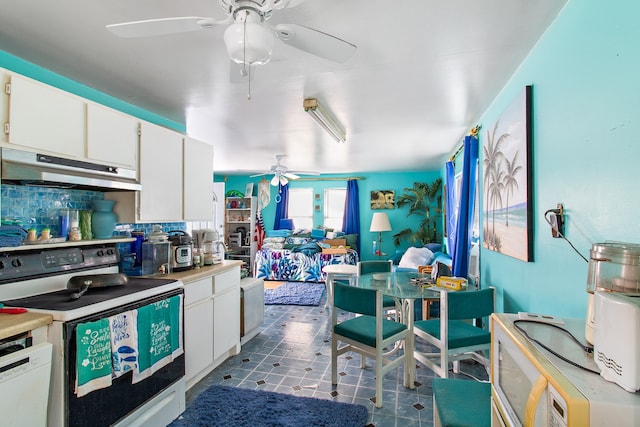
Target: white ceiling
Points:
(423, 73)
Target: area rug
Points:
(295, 293)
(233, 406)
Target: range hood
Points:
(29, 168)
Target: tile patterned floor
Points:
(292, 354)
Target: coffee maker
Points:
(213, 248)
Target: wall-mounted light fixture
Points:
(324, 119)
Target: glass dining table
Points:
(405, 288)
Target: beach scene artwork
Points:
(507, 184)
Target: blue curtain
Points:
(466, 206)
(282, 205)
(351, 217)
(452, 203)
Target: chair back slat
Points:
(470, 304)
(366, 267)
(354, 299)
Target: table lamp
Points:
(379, 223)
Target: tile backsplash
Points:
(39, 207)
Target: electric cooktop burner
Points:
(62, 301)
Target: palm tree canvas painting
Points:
(506, 161)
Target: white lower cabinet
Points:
(226, 314)
(211, 323)
(198, 324)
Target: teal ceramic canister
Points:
(104, 219)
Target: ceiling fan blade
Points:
(275, 180)
(304, 172)
(259, 174)
(281, 4)
(315, 42)
(163, 26)
(291, 175)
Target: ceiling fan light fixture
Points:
(324, 119)
(279, 179)
(249, 43)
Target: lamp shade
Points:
(248, 42)
(380, 222)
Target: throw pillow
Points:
(414, 257)
(433, 247)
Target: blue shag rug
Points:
(233, 406)
(295, 293)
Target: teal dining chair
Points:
(366, 334)
(367, 267)
(456, 334)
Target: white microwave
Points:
(532, 387)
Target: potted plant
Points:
(425, 201)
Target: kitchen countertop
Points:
(14, 324)
(202, 272)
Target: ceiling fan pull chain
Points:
(244, 54)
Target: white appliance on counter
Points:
(530, 386)
(616, 344)
(37, 280)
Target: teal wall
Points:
(28, 69)
(586, 116)
(373, 181)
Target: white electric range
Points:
(36, 279)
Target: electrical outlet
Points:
(557, 221)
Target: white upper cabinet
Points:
(55, 122)
(160, 173)
(45, 118)
(198, 180)
(112, 136)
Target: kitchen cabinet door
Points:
(198, 329)
(226, 313)
(198, 180)
(160, 174)
(46, 119)
(112, 137)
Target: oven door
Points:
(104, 407)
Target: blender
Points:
(613, 267)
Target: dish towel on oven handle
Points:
(159, 336)
(93, 356)
(124, 342)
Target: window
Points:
(301, 207)
(334, 199)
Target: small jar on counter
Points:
(197, 257)
(31, 235)
(74, 234)
(45, 234)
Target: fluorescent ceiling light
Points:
(324, 119)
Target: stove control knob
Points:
(1, 265)
(16, 263)
(100, 252)
(110, 252)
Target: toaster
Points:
(616, 347)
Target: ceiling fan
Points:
(281, 173)
(249, 38)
